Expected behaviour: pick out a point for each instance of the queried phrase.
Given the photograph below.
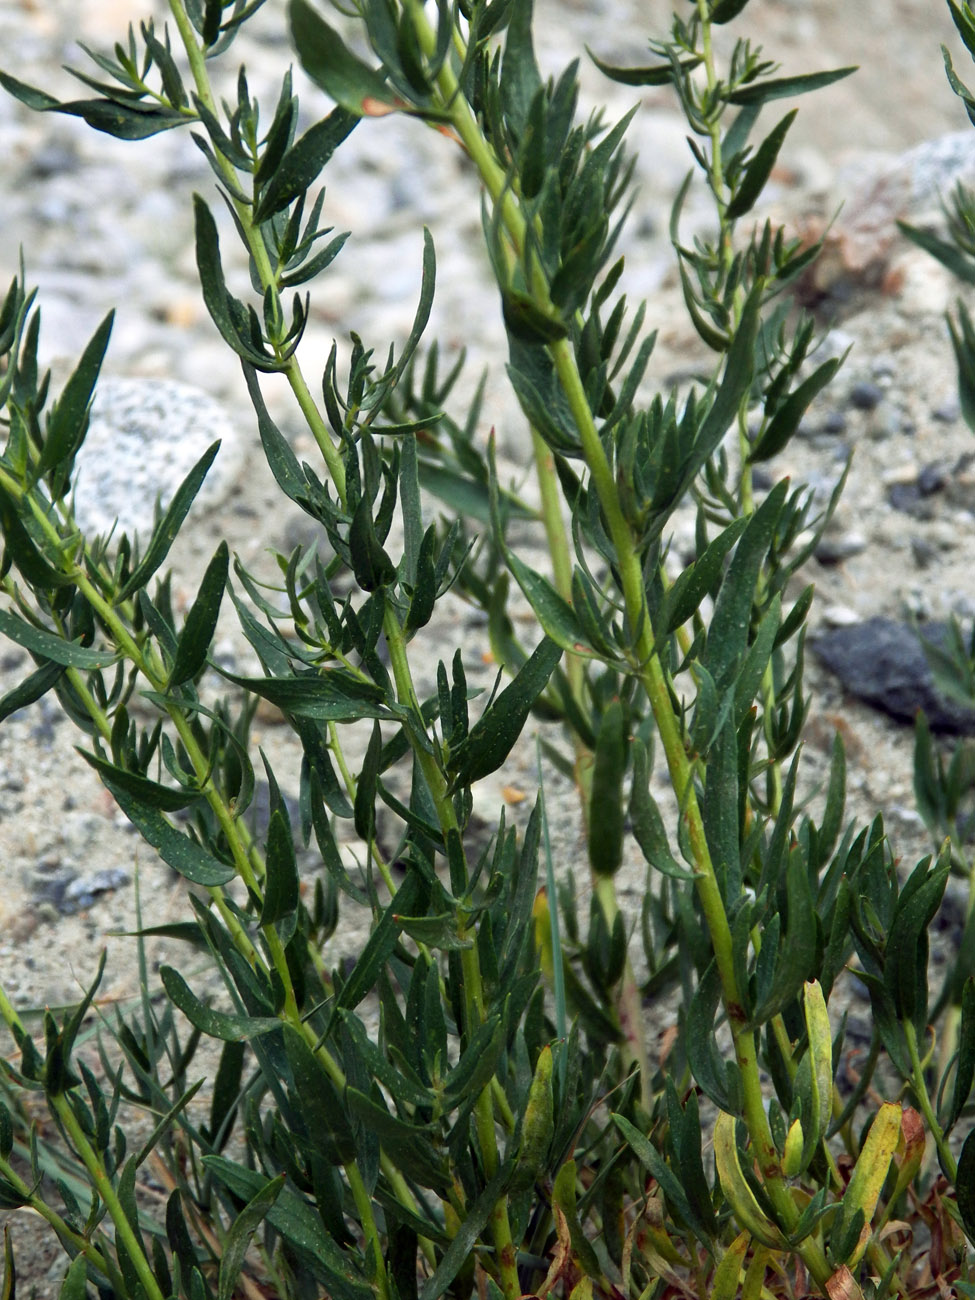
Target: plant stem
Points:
(924, 1100)
(106, 1192)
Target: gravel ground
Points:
(105, 224)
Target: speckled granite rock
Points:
(144, 438)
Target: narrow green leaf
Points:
(68, 422)
(281, 883)
(761, 92)
(959, 263)
(50, 646)
(965, 1065)
(237, 1241)
(699, 579)
(965, 1186)
(323, 1110)
(126, 120)
(149, 793)
(379, 945)
(281, 460)
(669, 1183)
(648, 826)
(330, 63)
(467, 1235)
(215, 1024)
(728, 631)
(300, 1226)
(493, 736)
(332, 695)
(758, 169)
(606, 803)
(786, 419)
(74, 1286)
(30, 689)
(656, 74)
(303, 162)
(177, 850)
(20, 548)
(201, 621)
(169, 526)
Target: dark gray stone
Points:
(866, 396)
(882, 662)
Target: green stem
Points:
(124, 1230)
(924, 1101)
(84, 1245)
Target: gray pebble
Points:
(866, 396)
(842, 546)
(947, 412)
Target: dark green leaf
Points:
(606, 803)
(330, 63)
(657, 74)
(300, 1226)
(333, 695)
(148, 792)
(303, 162)
(74, 1286)
(21, 549)
(379, 945)
(965, 1186)
(965, 1065)
(467, 1235)
(648, 826)
(68, 421)
(201, 621)
(168, 527)
(127, 120)
(237, 1241)
(323, 1110)
(760, 92)
(281, 884)
(54, 648)
(786, 419)
(758, 170)
(958, 262)
(30, 689)
(723, 11)
(177, 850)
(728, 631)
(492, 737)
(699, 579)
(215, 1024)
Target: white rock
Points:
(144, 437)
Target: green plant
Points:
(472, 1105)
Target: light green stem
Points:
(124, 1230)
(924, 1101)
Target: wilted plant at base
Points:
(472, 1105)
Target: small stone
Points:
(842, 546)
(925, 553)
(908, 498)
(83, 891)
(866, 396)
(840, 616)
(884, 423)
(947, 412)
(931, 479)
(834, 422)
(883, 663)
